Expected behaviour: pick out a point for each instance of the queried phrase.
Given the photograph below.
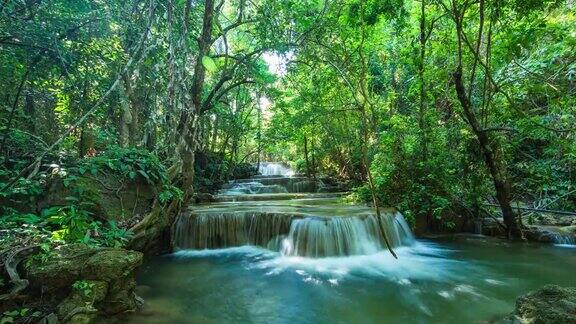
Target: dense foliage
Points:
(389, 67)
(435, 107)
(115, 116)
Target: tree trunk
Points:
(134, 124)
(214, 140)
(125, 119)
(189, 125)
(422, 108)
(314, 166)
(492, 158)
(308, 173)
(133, 100)
(86, 141)
(489, 148)
(150, 136)
(30, 109)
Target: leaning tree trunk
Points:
(308, 171)
(488, 147)
(492, 158)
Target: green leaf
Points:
(6, 320)
(209, 63)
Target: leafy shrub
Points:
(113, 236)
(131, 163)
(169, 193)
(73, 223)
(19, 314)
(84, 287)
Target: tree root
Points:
(11, 265)
(79, 310)
(149, 230)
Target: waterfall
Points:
(252, 188)
(292, 234)
(268, 185)
(274, 169)
(563, 239)
(228, 229)
(341, 236)
(307, 228)
(551, 234)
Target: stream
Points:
(279, 248)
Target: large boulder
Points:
(85, 282)
(551, 305)
(111, 197)
(569, 230)
(551, 234)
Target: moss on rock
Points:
(62, 268)
(111, 264)
(550, 304)
(111, 197)
(86, 281)
(86, 297)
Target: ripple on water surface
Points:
(430, 282)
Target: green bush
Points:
(131, 163)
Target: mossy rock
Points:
(569, 230)
(108, 273)
(551, 304)
(110, 197)
(75, 262)
(96, 292)
(83, 318)
(111, 264)
(121, 297)
(62, 268)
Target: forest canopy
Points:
(438, 108)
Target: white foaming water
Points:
(274, 169)
(494, 282)
(564, 240)
(251, 188)
(420, 261)
(568, 246)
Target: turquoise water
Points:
(433, 281)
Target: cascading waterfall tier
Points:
(252, 188)
(292, 234)
(342, 236)
(305, 225)
(270, 185)
(274, 169)
(565, 239)
(561, 238)
(551, 234)
(228, 229)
